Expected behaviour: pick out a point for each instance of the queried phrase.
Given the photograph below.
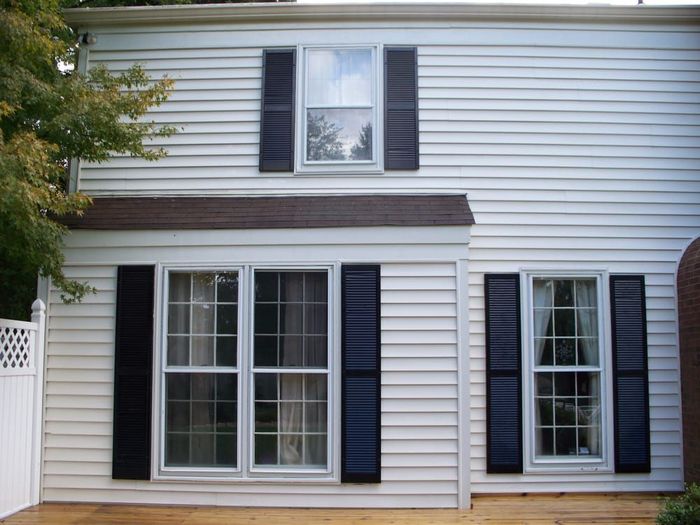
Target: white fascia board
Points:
(436, 12)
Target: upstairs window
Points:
(340, 109)
(340, 105)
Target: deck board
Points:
(560, 509)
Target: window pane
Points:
(266, 386)
(315, 287)
(200, 410)
(226, 385)
(563, 293)
(542, 291)
(316, 351)
(543, 352)
(265, 350)
(202, 351)
(564, 411)
(227, 287)
(565, 441)
(226, 319)
(291, 318)
(587, 322)
(544, 441)
(339, 77)
(226, 350)
(339, 134)
(293, 414)
(226, 450)
(266, 286)
(543, 322)
(178, 350)
(544, 384)
(544, 412)
(203, 287)
(265, 318)
(203, 416)
(564, 352)
(564, 323)
(179, 319)
(316, 450)
(291, 287)
(266, 417)
(565, 384)
(202, 318)
(177, 449)
(266, 449)
(179, 287)
(291, 351)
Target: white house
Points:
(398, 255)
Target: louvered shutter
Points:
(133, 360)
(630, 373)
(504, 448)
(400, 108)
(277, 115)
(361, 381)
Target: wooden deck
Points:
(508, 510)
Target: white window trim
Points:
(603, 464)
(302, 167)
(244, 473)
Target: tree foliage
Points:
(50, 113)
(362, 149)
(323, 139)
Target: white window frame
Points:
(244, 472)
(577, 464)
(302, 166)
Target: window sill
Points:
(180, 478)
(334, 170)
(573, 468)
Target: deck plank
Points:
(550, 509)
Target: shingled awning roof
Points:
(327, 211)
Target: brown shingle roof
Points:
(158, 213)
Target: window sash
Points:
(305, 106)
(565, 462)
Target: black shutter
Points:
(630, 373)
(277, 114)
(361, 375)
(504, 449)
(400, 108)
(133, 359)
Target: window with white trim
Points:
(201, 370)
(237, 410)
(565, 363)
(339, 109)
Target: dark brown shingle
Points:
(187, 213)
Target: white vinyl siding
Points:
(577, 144)
(419, 362)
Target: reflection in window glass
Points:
(339, 105)
(339, 77)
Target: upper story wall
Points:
(575, 93)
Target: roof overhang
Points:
(318, 211)
(380, 12)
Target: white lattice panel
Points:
(15, 347)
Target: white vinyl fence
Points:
(21, 380)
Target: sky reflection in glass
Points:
(339, 77)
